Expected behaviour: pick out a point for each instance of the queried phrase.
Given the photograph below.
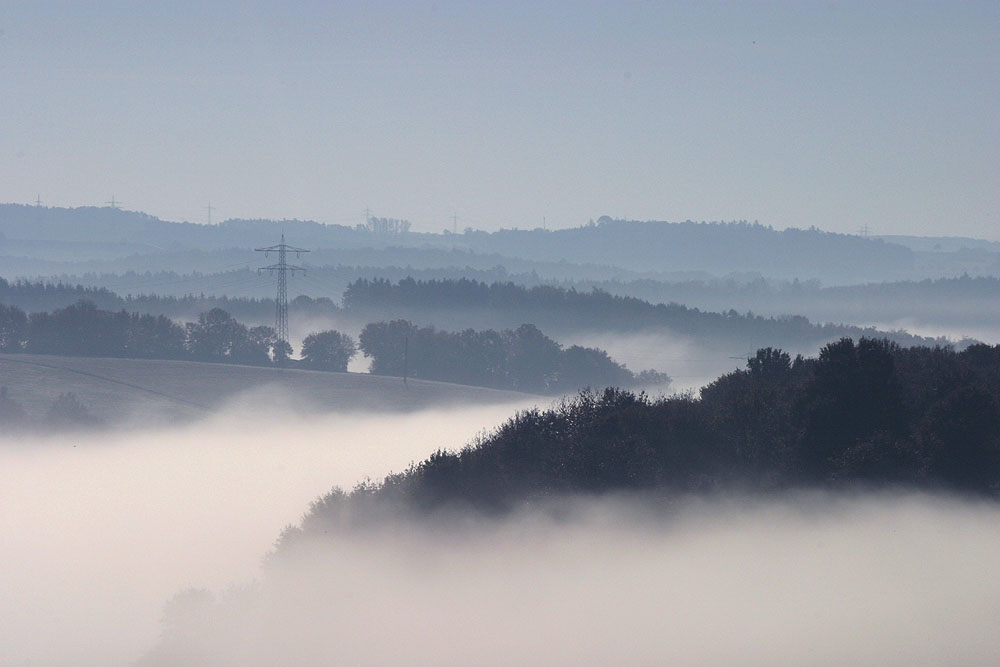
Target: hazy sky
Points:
(834, 114)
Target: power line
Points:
(282, 268)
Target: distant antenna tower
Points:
(282, 268)
(863, 231)
(454, 223)
(113, 203)
(38, 201)
(209, 208)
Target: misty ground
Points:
(101, 530)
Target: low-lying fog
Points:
(984, 333)
(689, 365)
(99, 531)
(813, 579)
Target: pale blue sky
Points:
(834, 114)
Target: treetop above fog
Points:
(865, 413)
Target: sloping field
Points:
(120, 389)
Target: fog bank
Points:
(812, 579)
(689, 364)
(99, 529)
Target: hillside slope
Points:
(117, 390)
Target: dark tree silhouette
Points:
(524, 359)
(387, 343)
(921, 417)
(533, 358)
(960, 437)
(854, 394)
(328, 351)
(215, 336)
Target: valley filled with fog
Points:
(101, 529)
(459, 486)
(448, 333)
(100, 532)
(801, 579)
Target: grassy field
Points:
(122, 389)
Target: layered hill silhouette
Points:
(716, 247)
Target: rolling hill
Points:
(123, 390)
(110, 240)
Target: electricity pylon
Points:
(282, 267)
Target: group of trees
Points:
(862, 413)
(83, 329)
(40, 296)
(598, 305)
(328, 351)
(522, 359)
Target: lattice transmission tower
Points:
(281, 268)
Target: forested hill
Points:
(862, 413)
(464, 304)
(460, 304)
(40, 297)
(718, 248)
(112, 225)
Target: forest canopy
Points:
(862, 413)
(559, 311)
(522, 359)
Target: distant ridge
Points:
(644, 246)
(718, 248)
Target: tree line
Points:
(522, 359)
(865, 413)
(39, 296)
(462, 303)
(83, 329)
(562, 310)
